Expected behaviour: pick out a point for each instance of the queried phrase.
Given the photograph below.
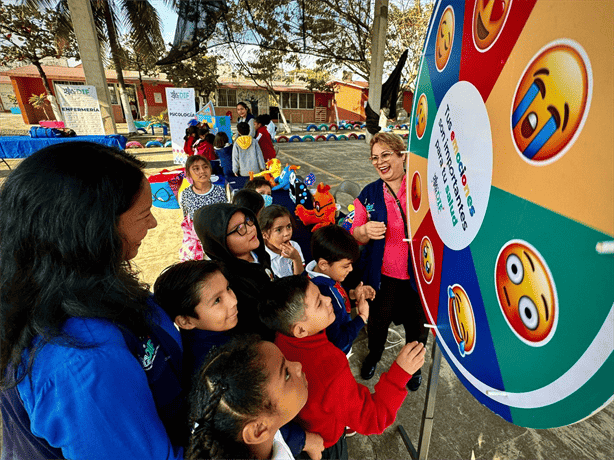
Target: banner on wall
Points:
(181, 109)
(80, 109)
(512, 184)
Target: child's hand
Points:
(362, 306)
(314, 445)
(364, 290)
(411, 357)
(290, 252)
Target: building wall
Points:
(350, 102)
(6, 91)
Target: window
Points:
(227, 97)
(297, 100)
(113, 95)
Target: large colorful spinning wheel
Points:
(512, 188)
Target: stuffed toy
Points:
(324, 209)
(299, 193)
(273, 170)
(285, 178)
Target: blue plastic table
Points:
(24, 146)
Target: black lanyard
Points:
(400, 209)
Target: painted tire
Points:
(282, 139)
(405, 135)
(153, 144)
(321, 137)
(342, 137)
(333, 127)
(142, 130)
(314, 127)
(134, 145)
(308, 138)
(357, 126)
(390, 126)
(362, 137)
(352, 136)
(363, 126)
(295, 138)
(168, 144)
(404, 127)
(331, 137)
(323, 127)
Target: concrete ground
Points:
(463, 428)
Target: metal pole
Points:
(378, 48)
(89, 50)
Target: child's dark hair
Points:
(221, 139)
(255, 183)
(268, 215)
(177, 289)
(229, 391)
(193, 159)
(263, 119)
(285, 305)
(189, 131)
(249, 199)
(210, 138)
(333, 243)
(202, 132)
(243, 128)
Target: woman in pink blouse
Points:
(379, 224)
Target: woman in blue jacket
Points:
(89, 365)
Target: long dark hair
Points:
(229, 391)
(61, 253)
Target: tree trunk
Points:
(114, 44)
(145, 106)
(50, 97)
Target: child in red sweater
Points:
(300, 314)
(264, 138)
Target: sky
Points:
(168, 18)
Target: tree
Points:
(30, 34)
(198, 72)
(139, 19)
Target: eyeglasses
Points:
(241, 229)
(384, 156)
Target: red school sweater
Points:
(266, 144)
(335, 399)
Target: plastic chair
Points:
(349, 187)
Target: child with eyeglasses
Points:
(230, 234)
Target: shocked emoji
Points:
(526, 292)
(445, 38)
(421, 116)
(551, 102)
(489, 17)
(462, 320)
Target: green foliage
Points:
(162, 118)
(198, 72)
(30, 34)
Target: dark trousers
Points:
(338, 451)
(398, 302)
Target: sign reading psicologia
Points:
(181, 109)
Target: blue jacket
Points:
(225, 156)
(372, 256)
(95, 402)
(344, 329)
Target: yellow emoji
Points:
(462, 320)
(551, 102)
(526, 292)
(488, 19)
(427, 261)
(445, 38)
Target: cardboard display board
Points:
(80, 109)
(511, 175)
(181, 109)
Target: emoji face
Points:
(526, 292)
(489, 17)
(416, 191)
(462, 320)
(427, 261)
(551, 102)
(445, 38)
(421, 116)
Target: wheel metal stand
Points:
(426, 427)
